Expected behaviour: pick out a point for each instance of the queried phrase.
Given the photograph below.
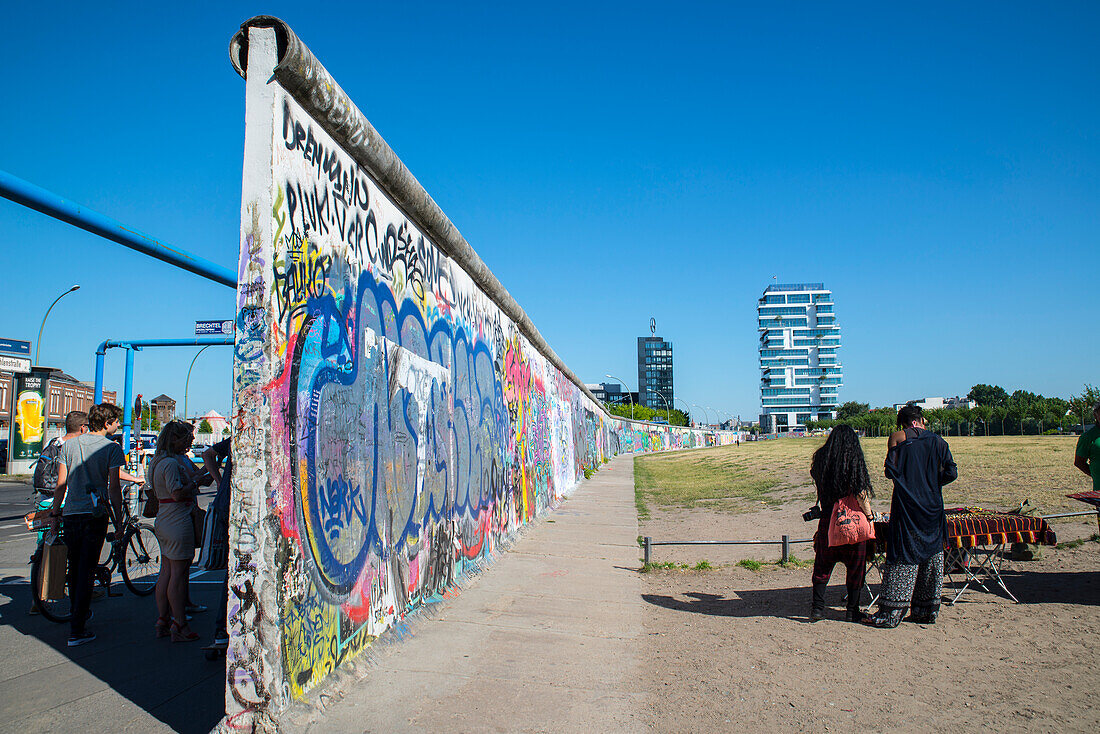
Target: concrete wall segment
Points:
(397, 419)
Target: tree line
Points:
(642, 413)
(997, 413)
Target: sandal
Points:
(161, 627)
(885, 619)
(178, 634)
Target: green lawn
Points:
(996, 472)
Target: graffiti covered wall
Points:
(393, 426)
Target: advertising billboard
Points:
(28, 434)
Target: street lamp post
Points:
(668, 413)
(38, 342)
(688, 413)
(187, 383)
(705, 413)
(623, 382)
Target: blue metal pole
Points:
(127, 401)
(99, 353)
(37, 198)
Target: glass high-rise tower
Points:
(800, 374)
(655, 384)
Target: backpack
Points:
(45, 469)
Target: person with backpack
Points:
(88, 492)
(45, 471)
(839, 471)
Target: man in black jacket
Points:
(919, 462)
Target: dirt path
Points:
(731, 648)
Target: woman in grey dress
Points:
(173, 478)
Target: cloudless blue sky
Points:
(937, 166)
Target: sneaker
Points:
(83, 637)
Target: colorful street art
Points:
(405, 427)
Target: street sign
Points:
(9, 363)
(213, 328)
(14, 346)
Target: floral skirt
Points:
(916, 586)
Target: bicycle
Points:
(134, 552)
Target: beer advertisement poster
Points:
(29, 421)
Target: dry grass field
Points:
(995, 472)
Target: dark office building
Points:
(613, 393)
(655, 372)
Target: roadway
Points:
(16, 543)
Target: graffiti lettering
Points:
(405, 431)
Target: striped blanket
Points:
(968, 527)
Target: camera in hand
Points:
(201, 479)
(814, 513)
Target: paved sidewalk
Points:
(547, 639)
(124, 681)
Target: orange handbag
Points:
(848, 524)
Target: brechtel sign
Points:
(214, 328)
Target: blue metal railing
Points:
(132, 346)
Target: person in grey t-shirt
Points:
(88, 490)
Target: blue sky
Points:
(936, 166)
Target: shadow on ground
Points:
(787, 603)
(1030, 587)
(49, 686)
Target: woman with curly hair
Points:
(839, 470)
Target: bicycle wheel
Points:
(55, 610)
(140, 563)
